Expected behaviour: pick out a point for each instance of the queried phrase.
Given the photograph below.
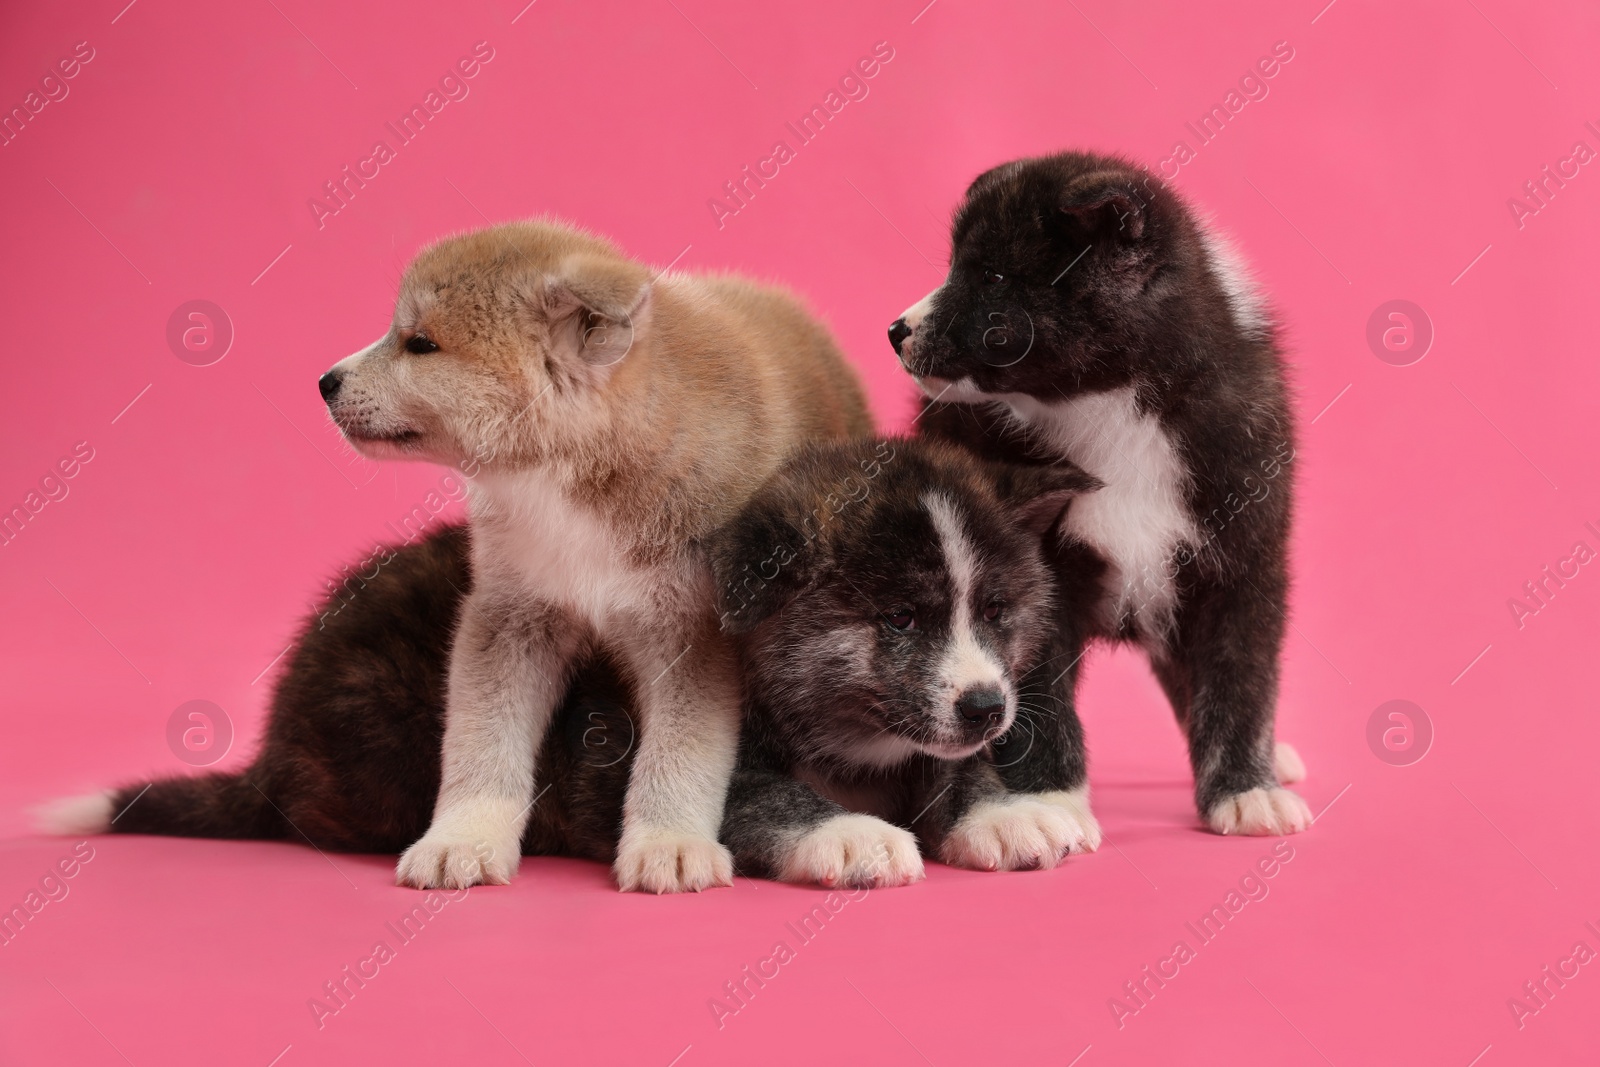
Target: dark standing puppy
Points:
(888, 597)
(1089, 318)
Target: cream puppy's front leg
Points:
(508, 668)
(688, 696)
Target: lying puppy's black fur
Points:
(1089, 318)
(886, 594)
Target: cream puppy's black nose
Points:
(981, 702)
(329, 384)
(898, 332)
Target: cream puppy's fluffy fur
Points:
(607, 419)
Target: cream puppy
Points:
(607, 419)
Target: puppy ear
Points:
(1106, 203)
(995, 174)
(1037, 495)
(597, 308)
(759, 561)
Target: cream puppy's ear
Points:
(598, 309)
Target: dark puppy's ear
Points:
(597, 307)
(1106, 202)
(995, 174)
(759, 561)
(1037, 495)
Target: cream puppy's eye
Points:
(418, 344)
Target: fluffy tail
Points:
(209, 805)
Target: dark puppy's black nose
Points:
(898, 331)
(329, 384)
(982, 702)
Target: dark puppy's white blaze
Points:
(917, 312)
(965, 661)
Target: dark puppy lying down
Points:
(888, 596)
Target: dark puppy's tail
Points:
(208, 805)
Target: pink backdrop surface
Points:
(178, 163)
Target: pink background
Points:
(1378, 167)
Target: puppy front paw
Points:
(449, 860)
(859, 851)
(669, 861)
(1260, 813)
(1075, 804)
(1014, 834)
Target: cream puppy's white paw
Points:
(451, 860)
(1075, 803)
(1287, 764)
(1260, 813)
(859, 851)
(669, 861)
(1012, 834)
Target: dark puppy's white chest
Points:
(1141, 517)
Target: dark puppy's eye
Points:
(419, 345)
(991, 277)
(901, 619)
(993, 610)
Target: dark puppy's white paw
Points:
(1075, 803)
(1013, 834)
(1260, 813)
(859, 851)
(1287, 764)
(671, 861)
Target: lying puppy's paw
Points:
(669, 861)
(859, 851)
(1075, 803)
(1260, 813)
(1287, 764)
(448, 860)
(1013, 834)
